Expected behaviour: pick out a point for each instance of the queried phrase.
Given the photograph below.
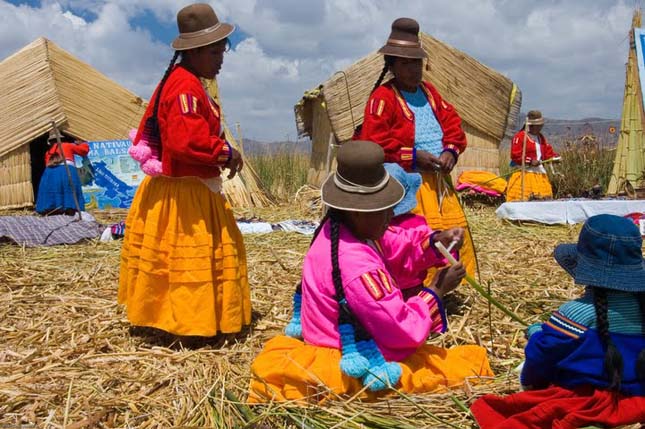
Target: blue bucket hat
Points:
(411, 183)
(608, 255)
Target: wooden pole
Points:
(67, 170)
(330, 148)
(238, 129)
(526, 133)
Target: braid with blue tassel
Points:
(294, 327)
(361, 357)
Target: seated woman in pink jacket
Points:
(356, 328)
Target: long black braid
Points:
(388, 62)
(345, 314)
(640, 361)
(613, 363)
(151, 127)
(294, 327)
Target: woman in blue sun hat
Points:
(586, 365)
(405, 226)
(597, 339)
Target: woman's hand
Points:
(447, 236)
(427, 161)
(447, 279)
(234, 164)
(535, 163)
(447, 162)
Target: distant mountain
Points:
(559, 131)
(256, 147)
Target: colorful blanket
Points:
(32, 231)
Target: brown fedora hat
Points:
(361, 183)
(198, 26)
(404, 40)
(534, 117)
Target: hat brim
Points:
(337, 198)
(535, 121)
(588, 272)
(415, 53)
(411, 183)
(566, 255)
(183, 44)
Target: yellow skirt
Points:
(485, 179)
(536, 185)
(447, 215)
(288, 369)
(183, 263)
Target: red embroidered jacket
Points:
(389, 122)
(546, 150)
(69, 149)
(190, 128)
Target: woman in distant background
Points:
(418, 130)
(536, 181)
(55, 193)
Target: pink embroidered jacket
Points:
(398, 327)
(404, 231)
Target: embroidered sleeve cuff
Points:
(452, 148)
(532, 329)
(453, 152)
(428, 243)
(437, 312)
(225, 154)
(414, 159)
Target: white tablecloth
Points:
(567, 211)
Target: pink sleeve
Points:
(392, 322)
(410, 249)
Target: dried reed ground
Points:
(67, 358)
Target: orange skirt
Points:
(288, 369)
(536, 185)
(446, 215)
(183, 263)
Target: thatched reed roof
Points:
(42, 82)
(482, 96)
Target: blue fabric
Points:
(381, 374)
(608, 255)
(411, 183)
(352, 361)
(54, 191)
(294, 328)
(428, 135)
(553, 357)
(624, 313)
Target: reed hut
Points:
(487, 102)
(42, 83)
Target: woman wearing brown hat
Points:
(532, 143)
(183, 263)
(418, 130)
(356, 334)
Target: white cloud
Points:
(567, 56)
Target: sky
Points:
(567, 57)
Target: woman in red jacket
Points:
(56, 194)
(537, 150)
(183, 263)
(418, 130)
